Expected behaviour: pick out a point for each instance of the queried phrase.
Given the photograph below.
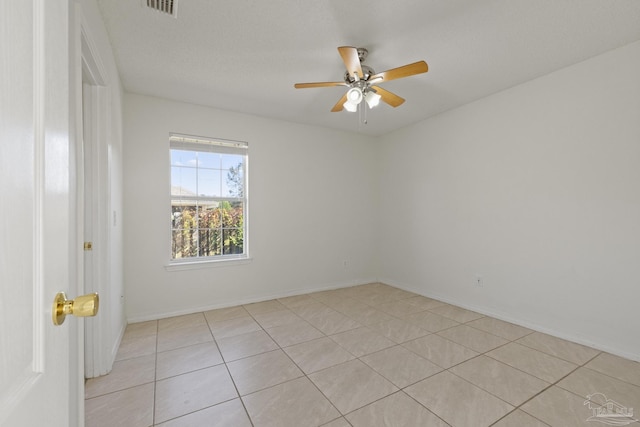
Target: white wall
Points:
(537, 189)
(312, 206)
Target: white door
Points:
(39, 380)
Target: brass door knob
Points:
(83, 306)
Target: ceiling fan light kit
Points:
(362, 80)
(350, 107)
(354, 95)
(372, 98)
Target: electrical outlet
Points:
(479, 280)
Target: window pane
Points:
(184, 243)
(233, 182)
(183, 158)
(209, 182)
(209, 215)
(209, 160)
(210, 239)
(183, 214)
(231, 160)
(232, 240)
(232, 214)
(183, 181)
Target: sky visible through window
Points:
(202, 173)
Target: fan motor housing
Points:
(366, 71)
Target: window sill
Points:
(209, 263)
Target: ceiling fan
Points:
(362, 81)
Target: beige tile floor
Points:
(366, 356)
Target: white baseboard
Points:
(116, 345)
(259, 298)
(508, 317)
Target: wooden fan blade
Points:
(388, 97)
(318, 84)
(400, 72)
(338, 107)
(351, 61)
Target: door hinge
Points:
(88, 246)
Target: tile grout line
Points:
(224, 361)
(399, 389)
(305, 375)
(553, 384)
(155, 376)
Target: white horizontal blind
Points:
(196, 143)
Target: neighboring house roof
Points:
(176, 190)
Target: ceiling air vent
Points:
(170, 7)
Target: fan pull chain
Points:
(363, 113)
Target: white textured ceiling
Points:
(245, 55)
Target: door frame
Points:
(98, 353)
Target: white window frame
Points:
(215, 145)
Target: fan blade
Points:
(388, 97)
(351, 61)
(338, 107)
(318, 84)
(400, 72)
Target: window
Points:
(208, 199)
